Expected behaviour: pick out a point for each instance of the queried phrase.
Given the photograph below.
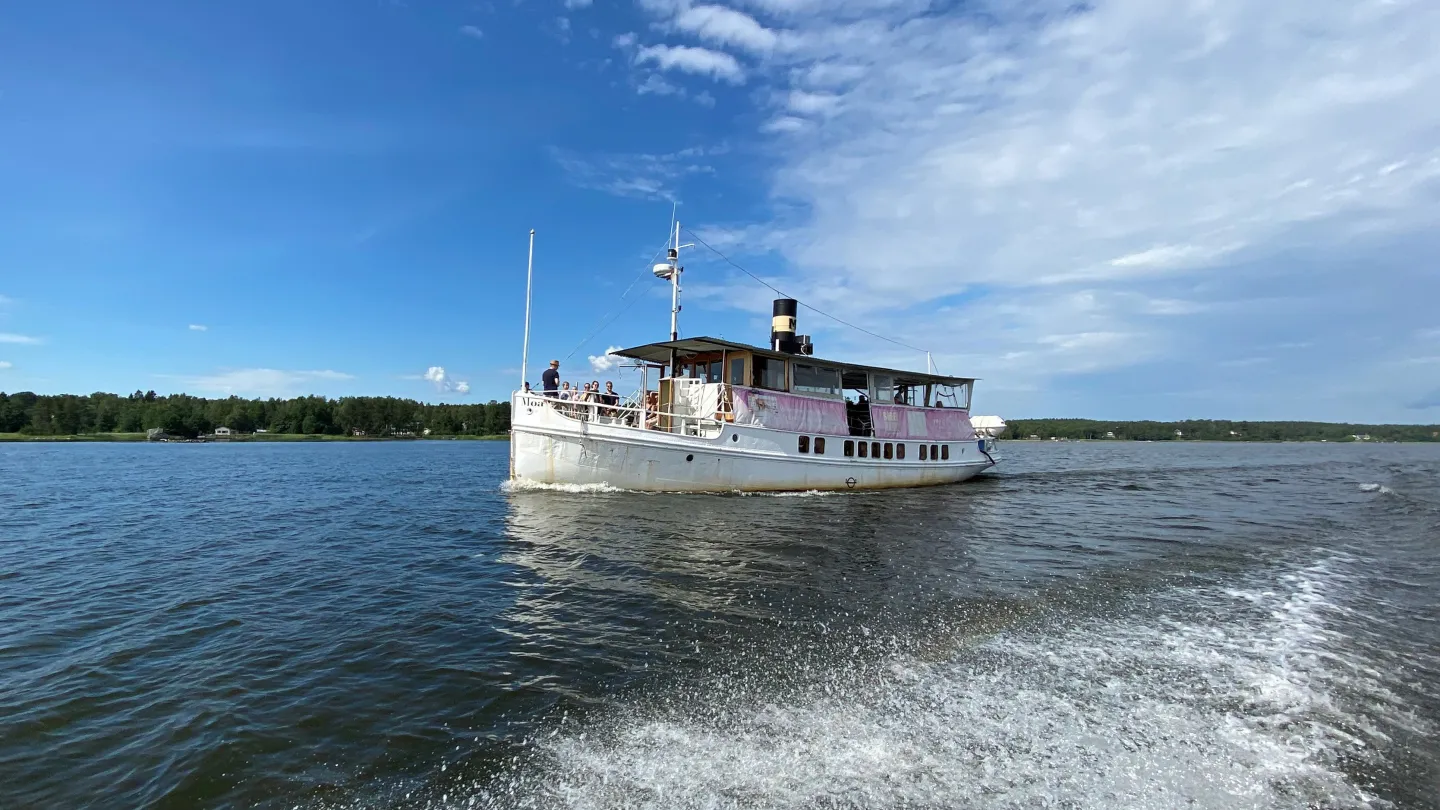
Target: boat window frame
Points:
(763, 361)
(882, 388)
(835, 391)
(819, 445)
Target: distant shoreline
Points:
(283, 438)
(248, 438)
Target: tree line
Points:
(184, 415)
(1218, 431)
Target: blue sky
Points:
(1122, 209)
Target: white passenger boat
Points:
(725, 416)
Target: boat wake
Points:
(1201, 697)
(1380, 488)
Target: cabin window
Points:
(710, 372)
(819, 445)
(769, 373)
(737, 371)
(884, 388)
(889, 450)
(874, 449)
(956, 396)
(934, 453)
(864, 449)
(804, 444)
(900, 451)
(923, 456)
(945, 452)
(815, 380)
(850, 448)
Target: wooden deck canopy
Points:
(660, 353)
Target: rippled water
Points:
(385, 625)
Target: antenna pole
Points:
(529, 275)
(929, 364)
(675, 289)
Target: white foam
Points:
(574, 489)
(1206, 698)
(1380, 488)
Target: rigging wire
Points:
(623, 296)
(773, 289)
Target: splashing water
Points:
(1159, 709)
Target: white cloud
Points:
(198, 327)
(576, 4)
(444, 382)
(263, 382)
(4, 364)
(725, 26)
(1133, 139)
(802, 102)
(1042, 151)
(601, 363)
(472, 31)
(623, 41)
(24, 340)
(718, 65)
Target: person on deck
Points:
(550, 380)
(565, 391)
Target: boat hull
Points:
(739, 459)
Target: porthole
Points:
(690, 457)
(849, 448)
(944, 452)
(889, 450)
(819, 445)
(864, 449)
(874, 449)
(804, 444)
(923, 455)
(934, 452)
(900, 451)
(734, 437)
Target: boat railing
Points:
(626, 413)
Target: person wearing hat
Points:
(550, 380)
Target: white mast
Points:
(675, 287)
(529, 274)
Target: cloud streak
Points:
(717, 65)
(199, 327)
(22, 340)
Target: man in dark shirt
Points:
(550, 380)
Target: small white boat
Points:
(728, 417)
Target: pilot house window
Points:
(769, 373)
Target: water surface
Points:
(385, 626)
